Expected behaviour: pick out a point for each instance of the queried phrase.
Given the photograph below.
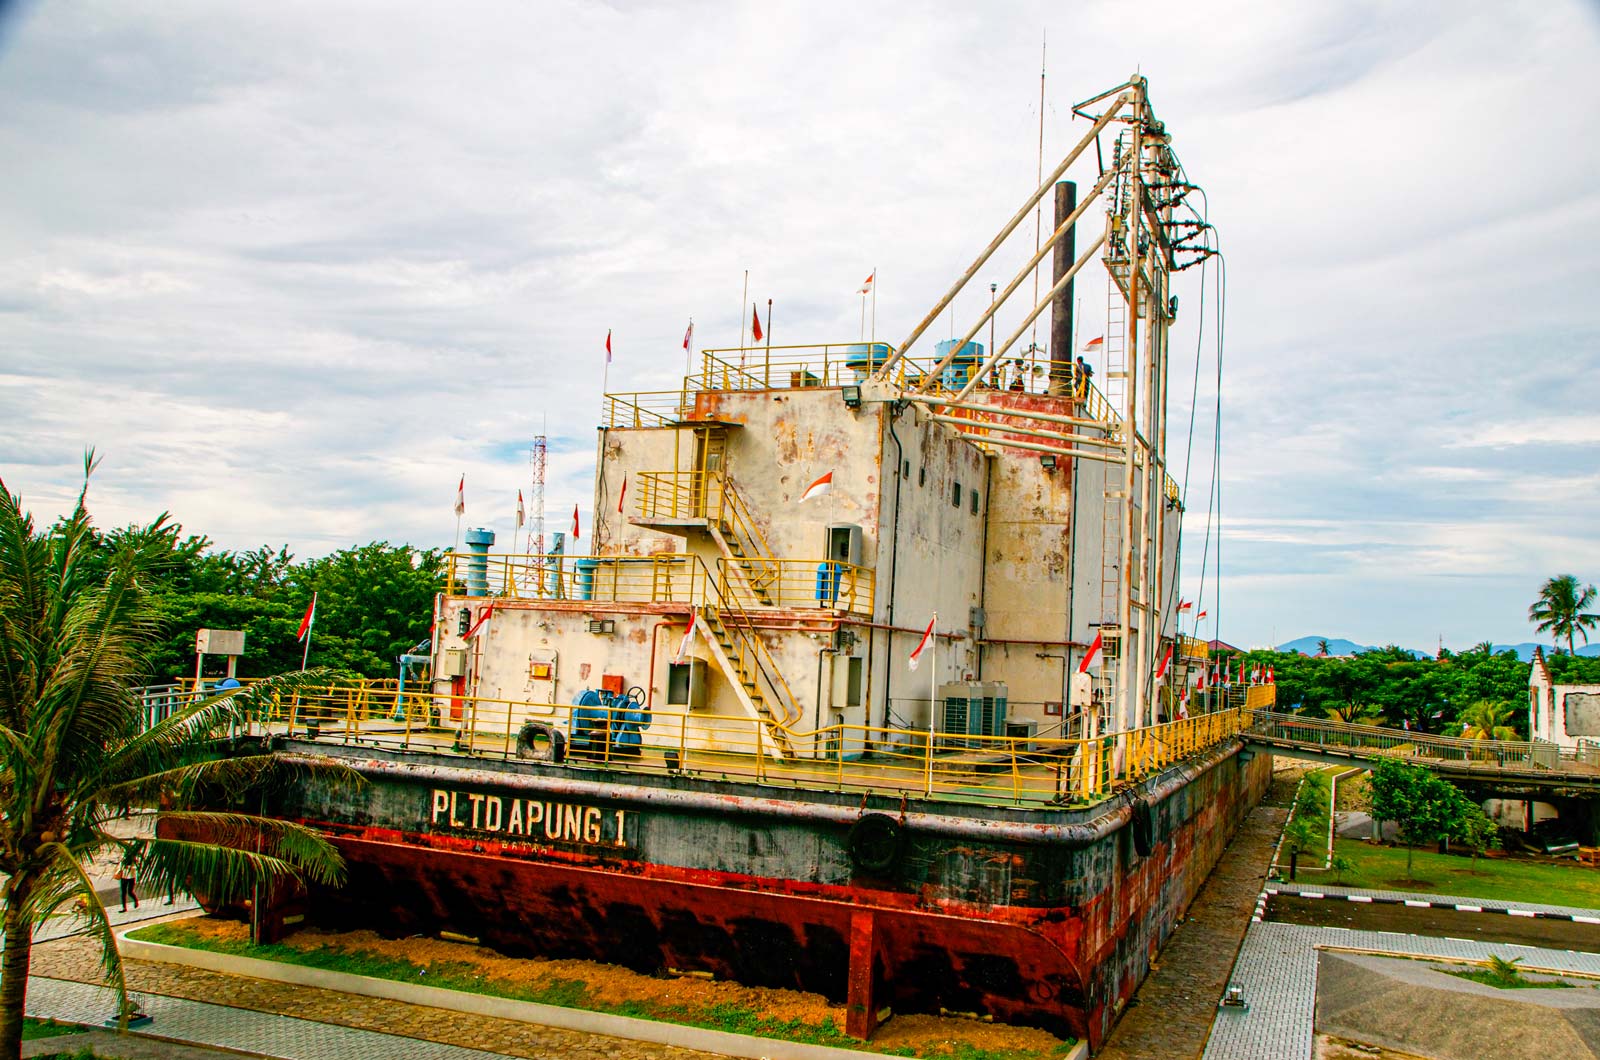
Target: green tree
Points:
(374, 602)
(76, 622)
(1353, 713)
(1423, 807)
(1477, 831)
(1561, 611)
(1488, 720)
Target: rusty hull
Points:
(1047, 918)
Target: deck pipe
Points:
(1062, 353)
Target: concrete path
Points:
(237, 1029)
(1171, 1014)
(1277, 969)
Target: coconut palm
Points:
(1560, 610)
(74, 751)
(1488, 720)
(1322, 647)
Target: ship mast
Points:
(1140, 247)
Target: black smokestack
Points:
(1066, 252)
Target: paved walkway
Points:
(293, 1022)
(1277, 969)
(1171, 1014)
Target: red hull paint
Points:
(871, 949)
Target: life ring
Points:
(538, 742)
(875, 841)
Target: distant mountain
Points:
(1338, 646)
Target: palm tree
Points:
(1322, 647)
(1488, 720)
(1559, 610)
(73, 749)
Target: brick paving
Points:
(1277, 969)
(1172, 1012)
(282, 1020)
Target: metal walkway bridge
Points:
(1503, 764)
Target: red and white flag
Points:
(866, 285)
(1200, 678)
(622, 494)
(1166, 660)
(461, 495)
(756, 334)
(521, 515)
(818, 488)
(922, 645)
(688, 636)
(574, 522)
(1271, 677)
(476, 626)
(309, 619)
(1185, 605)
(608, 345)
(1091, 659)
(1095, 345)
(1201, 615)
(688, 336)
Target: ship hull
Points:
(1043, 918)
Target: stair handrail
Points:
(744, 525)
(765, 665)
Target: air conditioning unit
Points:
(971, 708)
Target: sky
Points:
(294, 268)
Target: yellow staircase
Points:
(749, 667)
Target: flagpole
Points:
(767, 378)
(688, 353)
(863, 316)
(875, 303)
(310, 627)
(744, 296)
(933, 692)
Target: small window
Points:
(974, 502)
(955, 495)
(922, 476)
(906, 473)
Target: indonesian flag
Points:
(461, 495)
(1200, 678)
(688, 636)
(608, 345)
(1183, 704)
(866, 285)
(574, 522)
(1271, 677)
(1201, 615)
(1161, 671)
(309, 620)
(622, 494)
(922, 645)
(1185, 605)
(520, 515)
(755, 324)
(1091, 660)
(688, 336)
(818, 488)
(488, 611)
(1095, 345)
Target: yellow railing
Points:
(799, 583)
(790, 367)
(668, 578)
(1193, 648)
(720, 747)
(660, 408)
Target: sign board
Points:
(219, 642)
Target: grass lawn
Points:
(565, 992)
(32, 1028)
(1501, 879)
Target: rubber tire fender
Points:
(1144, 827)
(553, 747)
(875, 842)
